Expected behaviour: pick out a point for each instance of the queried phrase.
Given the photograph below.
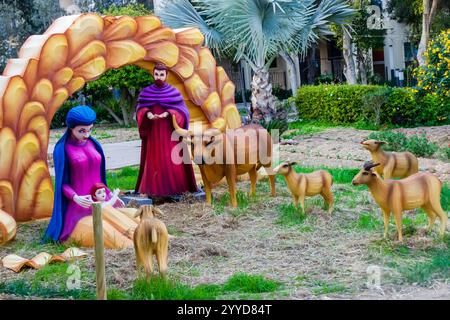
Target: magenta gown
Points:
(85, 167)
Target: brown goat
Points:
(151, 238)
(421, 190)
(392, 164)
(232, 153)
(310, 184)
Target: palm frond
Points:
(182, 14)
(257, 30)
(320, 18)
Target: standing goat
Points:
(310, 184)
(151, 238)
(421, 190)
(392, 164)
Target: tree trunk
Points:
(427, 17)
(112, 113)
(123, 105)
(291, 71)
(311, 67)
(263, 102)
(350, 72)
(362, 65)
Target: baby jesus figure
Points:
(99, 193)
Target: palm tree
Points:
(257, 31)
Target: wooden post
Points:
(99, 251)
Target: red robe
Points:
(158, 174)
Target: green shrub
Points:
(398, 141)
(343, 104)
(446, 152)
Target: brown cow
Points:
(230, 154)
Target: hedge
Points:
(343, 104)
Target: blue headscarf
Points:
(80, 116)
(77, 116)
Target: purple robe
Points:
(158, 174)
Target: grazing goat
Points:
(151, 238)
(421, 190)
(310, 184)
(230, 154)
(392, 164)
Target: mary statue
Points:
(80, 165)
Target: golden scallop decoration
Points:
(123, 52)
(78, 49)
(122, 28)
(91, 51)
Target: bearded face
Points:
(160, 77)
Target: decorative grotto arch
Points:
(78, 49)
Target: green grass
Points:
(436, 266)
(50, 282)
(243, 199)
(157, 288)
(289, 215)
(322, 287)
(445, 197)
(303, 127)
(368, 221)
(124, 179)
(250, 284)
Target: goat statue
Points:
(421, 190)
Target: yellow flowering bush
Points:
(434, 76)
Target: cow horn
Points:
(369, 165)
(182, 132)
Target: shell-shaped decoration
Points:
(165, 51)
(196, 89)
(147, 24)
(8, 147)
(85, 29)
(212, 106)
(15, 96)
(189, 36)
(58, 100)
(29, 185)
(123, 28)
(30, 110)
(92, 69)
(43, 91)
(123, 52)
(62, 77)
(88, 53)
(158, 35)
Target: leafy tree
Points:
(117, 90)
(363, 38)
(257, 31)
(425, 17)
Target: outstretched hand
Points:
(83, 201)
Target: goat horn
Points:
(369, 165)
(182, 132)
